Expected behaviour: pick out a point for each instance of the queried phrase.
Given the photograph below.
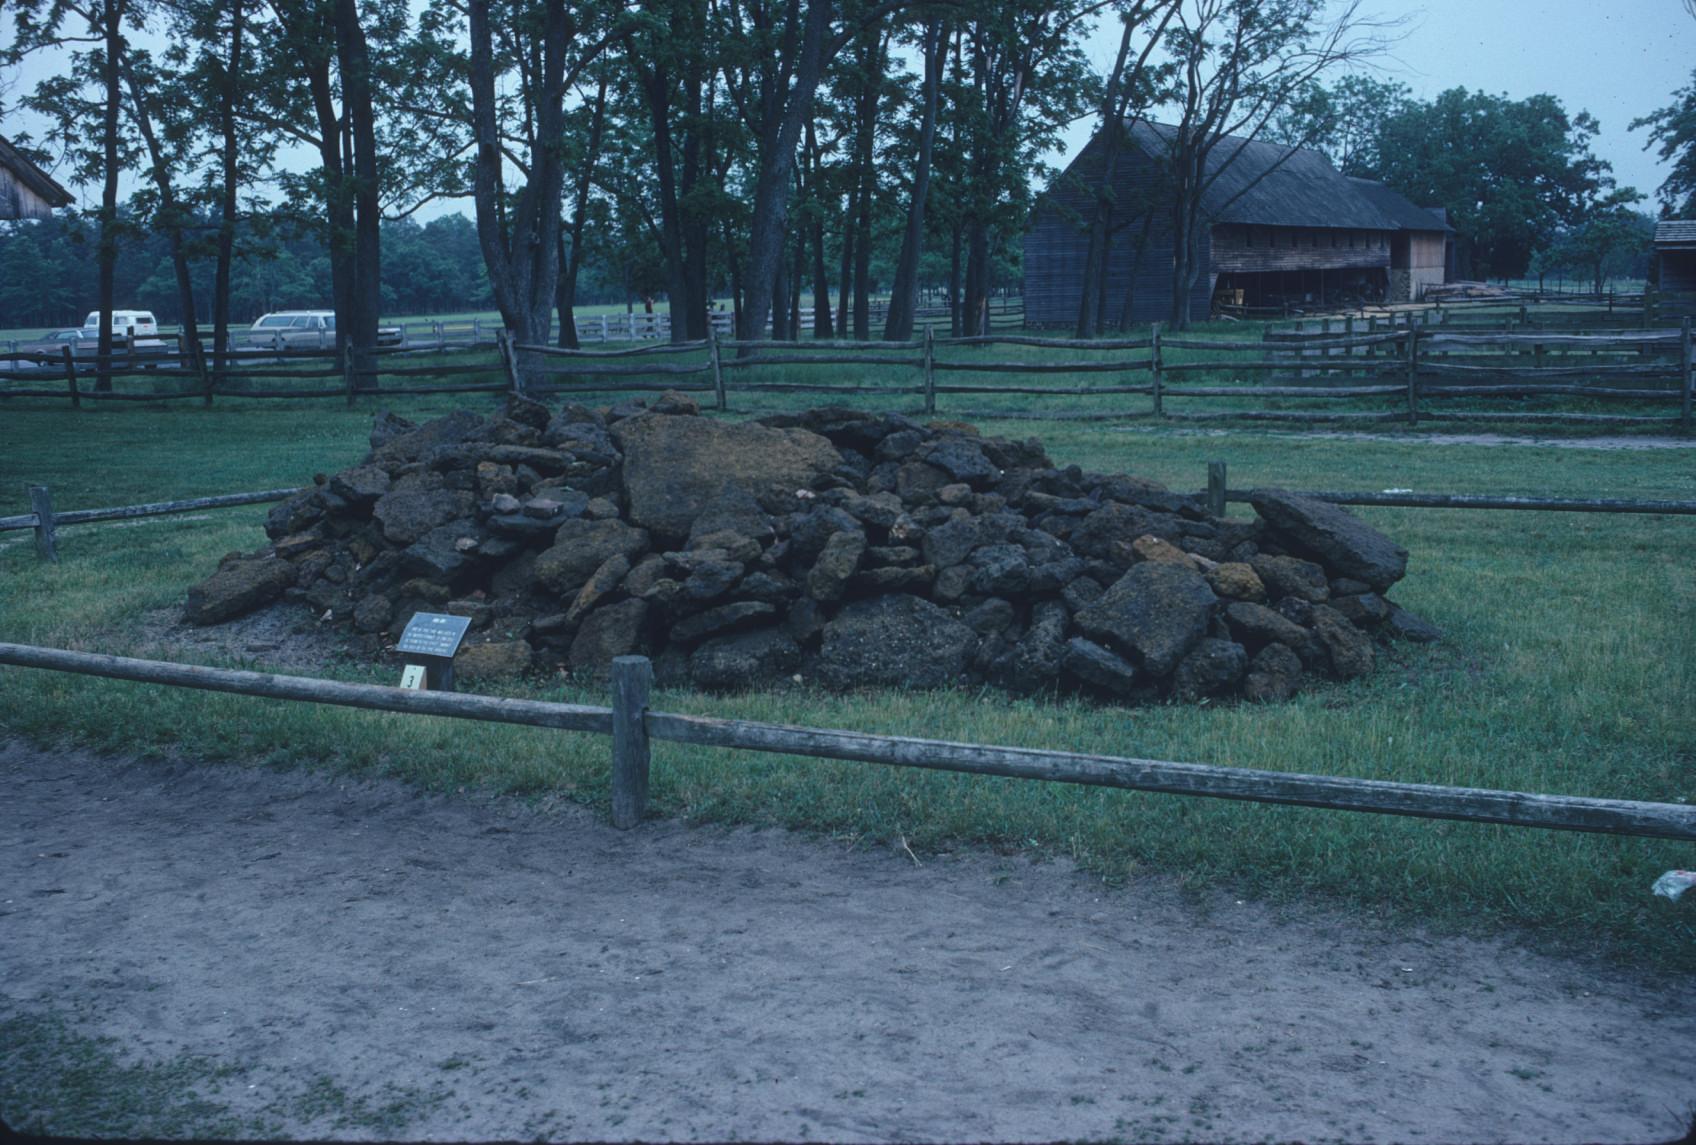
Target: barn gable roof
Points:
(1676, 234)
(33, 177)
(1272, 184)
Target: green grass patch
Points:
(1567, 669)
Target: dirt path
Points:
(365, 961)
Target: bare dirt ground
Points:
(357, 959)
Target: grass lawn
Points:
(1567, 669)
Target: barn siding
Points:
(18, 201)
(1251, 250)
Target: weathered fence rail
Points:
(1407, 373)
(633, 727)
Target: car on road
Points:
(133, 331)
(308, 330)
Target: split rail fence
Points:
(1406, 371)
(633, 726)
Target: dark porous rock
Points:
(361, 485)
(580, 547)
(1035, 663)
(675, 467)
(810, 531)
(1000, 570)
(1351, 649)
(299, 512)
(805, 621)
(711, 578)
(407, 514)
(386, 426)
(1155, 613)
(950, 584)
(893, 579)
(1081, 592)
(880, 510)
(745, 660)
(450, 429)
(616, 630)
(1404, 625)
(373, 613)
(916, 482)
(1090, 663)
(1367, 610)
(498, 660)
(1256, 625)
(733, 510)
(1212, 668)
(238, 587)
(1236, 580)
(961, 458)
(526, 411)
(1345, 543)
(1115, 524)
(836, 564)
(1291, 576)
(1274, 675)
(725, 618)
(951, 542)
(897, 641)
(604, 580)
(732, 544)
(992, 616)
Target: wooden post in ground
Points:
(503, 343)
(718, 372)
(930, 369)
(1689, 386)
(1216, 488)
(46, 534)
(632, 677)
(71, 376)
(1413, 375)
(1155, 368)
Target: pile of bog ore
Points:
(837, 547)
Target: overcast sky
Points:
(1617, 59)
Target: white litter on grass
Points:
(1395, 490)
(27, 536)
(1675, 883)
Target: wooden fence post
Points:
(71, 376)
(1154, 370)
(718, 370)
(1413, 375)
(603, 327)
(46, 533)
(1689, 375)
(1216, 488)
(930, 369)
(632, 676)
(503, 342)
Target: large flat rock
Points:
(1344, 544)
(675, 467)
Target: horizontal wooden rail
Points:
(372, 697)
(1343, 793)
(152, 509)
(1560, 812)
(819, 360)
(563, 352)
(1086, 366)
(816, 344)
(1520, 338)
(1412, 500)
(1255, 389)
(1053, 343)
(574, 370)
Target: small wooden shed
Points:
(1675, 267)
(26, 191)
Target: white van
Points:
(128, 324)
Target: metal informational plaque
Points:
(433, 634)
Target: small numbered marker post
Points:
(432, 638)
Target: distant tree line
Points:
(761, 151)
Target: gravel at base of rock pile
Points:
(841, 547)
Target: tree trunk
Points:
(111, 19)
(903, 295)
(229, 162)
(354, 62)
(170, 214)
(975, 306)
(821, 285)
(795, 279)
(781, 132)
(570, 262)
(846, 278)
(956, 324)
(780, 302)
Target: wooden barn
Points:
(1675, 268)
(26, 191)
(1281, 227)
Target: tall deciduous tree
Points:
(1672, 130)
